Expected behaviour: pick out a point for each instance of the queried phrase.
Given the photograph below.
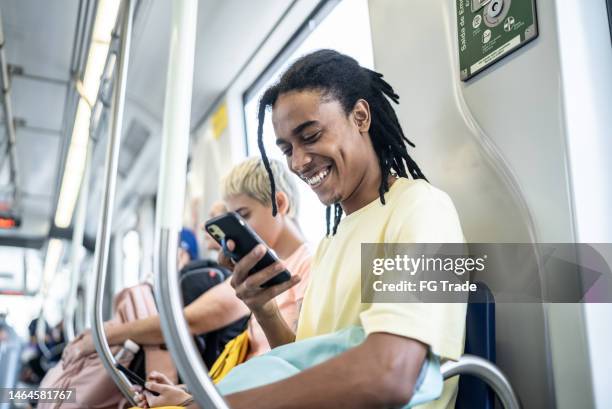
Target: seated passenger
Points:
(188, 248)
(247, 191)
(334, 122)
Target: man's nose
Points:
(300, 160)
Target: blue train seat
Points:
(474, 393)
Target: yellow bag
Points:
(233, 354)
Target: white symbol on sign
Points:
(477, 20)
(509, 23)
(486, 36)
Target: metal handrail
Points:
(41, 330)
(110, 179)
(5, 89)
(486, 371)
(171, 193)
(77, 240)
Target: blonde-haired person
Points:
(243, 192)
(246, 191)
(249, 179)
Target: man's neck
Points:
(366, 192)
(289, 240)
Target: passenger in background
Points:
(188, 248)
(247, 191)
(36, 364)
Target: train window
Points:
(20, 276)
(131, 258)
(346, 29)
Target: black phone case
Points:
(134, 378)
(236, 229)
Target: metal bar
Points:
(78, 233)
(486, 371)
(40, 78)
(25, 271)
(75, 40)
(171, 193)
(41, 330)
(8, 120)
(108, 198)
(40, 130)
(79, 226)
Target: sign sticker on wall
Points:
(488, 30)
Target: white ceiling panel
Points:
(40, 103)
(39, 35)
(37, 159)
(229, 31)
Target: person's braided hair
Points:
(340, 77)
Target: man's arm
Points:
(379, 373)
(212, 310)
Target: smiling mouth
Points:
(317, 179)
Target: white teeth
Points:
(316, 179)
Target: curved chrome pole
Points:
(171, 192)
(489, 373)
(108, 199)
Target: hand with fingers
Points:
(248, 287)
(169, 394)
(80, 347)
(141, 401)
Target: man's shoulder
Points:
(421, 212)
(419, 193)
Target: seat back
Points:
(479, 341)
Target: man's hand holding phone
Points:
(260, 300)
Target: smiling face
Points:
(328, 149)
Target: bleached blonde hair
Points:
(250, 178)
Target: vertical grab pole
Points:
(108, 199)
(75, 255)
(171, 193)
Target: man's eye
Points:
(312, 138)
(287, 152)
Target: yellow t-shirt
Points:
(415, 212)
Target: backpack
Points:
(196, 278)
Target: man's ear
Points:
(282, 203)
(361, 115)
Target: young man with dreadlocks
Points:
(340, 135)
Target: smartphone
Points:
(134, 378)
(231, 226)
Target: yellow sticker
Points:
(219, 121)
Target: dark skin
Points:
(319, 138)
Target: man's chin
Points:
(329, 199)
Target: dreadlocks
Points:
(342, 78)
